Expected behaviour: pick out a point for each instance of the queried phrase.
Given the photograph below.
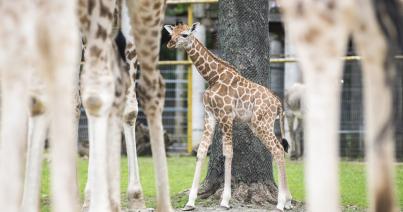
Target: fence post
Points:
(190, 96)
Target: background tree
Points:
(244, 40)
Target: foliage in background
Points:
(176, 10)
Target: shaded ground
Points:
(235, 208)
(298, 207)
(213, 204)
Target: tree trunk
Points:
(244, 39)
(398, 110)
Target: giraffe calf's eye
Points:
(185, 35)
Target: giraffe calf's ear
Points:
(168, 28)
(195, 26)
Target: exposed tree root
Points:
(259, 194)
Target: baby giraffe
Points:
(231, 97)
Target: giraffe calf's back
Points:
(236, 96)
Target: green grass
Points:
(180, 177)
(352, 180)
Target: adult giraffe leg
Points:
(146, 20)
(206, 140)
(14, 65)
(319, 30)
(38, 128)
(153, 110)
(13, 140)
(378, 97)
(84, 28)
(98, 96)
(114, 151)
(38, 131)
(59, 43)
(99, 185)
(226, 128)
(134, 190)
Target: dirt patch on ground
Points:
(298, 207)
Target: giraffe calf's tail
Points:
(284, 142)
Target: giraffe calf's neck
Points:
(209, 65)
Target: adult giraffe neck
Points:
(208, 64)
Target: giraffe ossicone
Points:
(231, 97)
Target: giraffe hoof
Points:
(188, 208)
(85, 208)
(224, 208)
(288, 207)
(141, 210)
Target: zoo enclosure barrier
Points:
(177, 114)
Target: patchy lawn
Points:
(352, 181)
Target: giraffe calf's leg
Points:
(264, 130)
(228, 154)
(284, 197)
(273, 145)
(209, 124)
(226, 196)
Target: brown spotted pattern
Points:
(131, 109)
(231, 97)
(146, 18)
(102, 84)
(98, 75)
(104, 80)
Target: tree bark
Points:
(244, 40)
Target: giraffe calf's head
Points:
(181, 35)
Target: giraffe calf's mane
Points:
(220, 60)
